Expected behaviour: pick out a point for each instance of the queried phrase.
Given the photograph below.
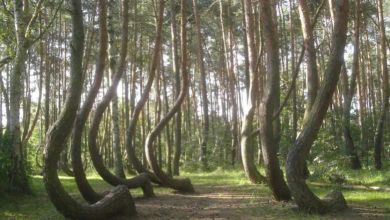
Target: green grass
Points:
(38, 206)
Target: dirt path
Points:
(221, 202)
(208, 203)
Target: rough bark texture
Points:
(203, 87)
(303, 196)
(117, 203)
(182, 185)
(269, 105)
(247, 143)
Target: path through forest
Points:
(227, 202)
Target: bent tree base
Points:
(117, 203)
(306, 200)
(298, 153)
(182, 185)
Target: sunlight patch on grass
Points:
(261, 204)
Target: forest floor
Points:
(219, 195)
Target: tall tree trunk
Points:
(118, 162)
(203, 86)
(312, 79)
(362, 88)
(348, 93)
(270, 104)
(247, 142)
(380, 127)
(17, 180)
(298, 153)
(176, 70)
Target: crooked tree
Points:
(118, 202)
(303, 196)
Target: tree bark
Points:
(203, 87)
(131, 131)
(118, 162)
(118, 203)
(247, 142)
(17, 179)
(348, 93)
(176, 70)
(182, 185)
(312, 79)
(380, 127)
(269, 131)
(96, 157)
(303, 196)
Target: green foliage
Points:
(5, 161)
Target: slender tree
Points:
(247, 142)
(269, 131)
(380, 127)
(205, 101)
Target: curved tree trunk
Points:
(312, 78)
(139, 181)
(269, 105)
(81, 180)
(118, 203)
(131, 131)
(247, 148)
(182, 185)
(63, 163)
(303, 196)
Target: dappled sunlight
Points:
(218, 195)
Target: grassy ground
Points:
(215, 191)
